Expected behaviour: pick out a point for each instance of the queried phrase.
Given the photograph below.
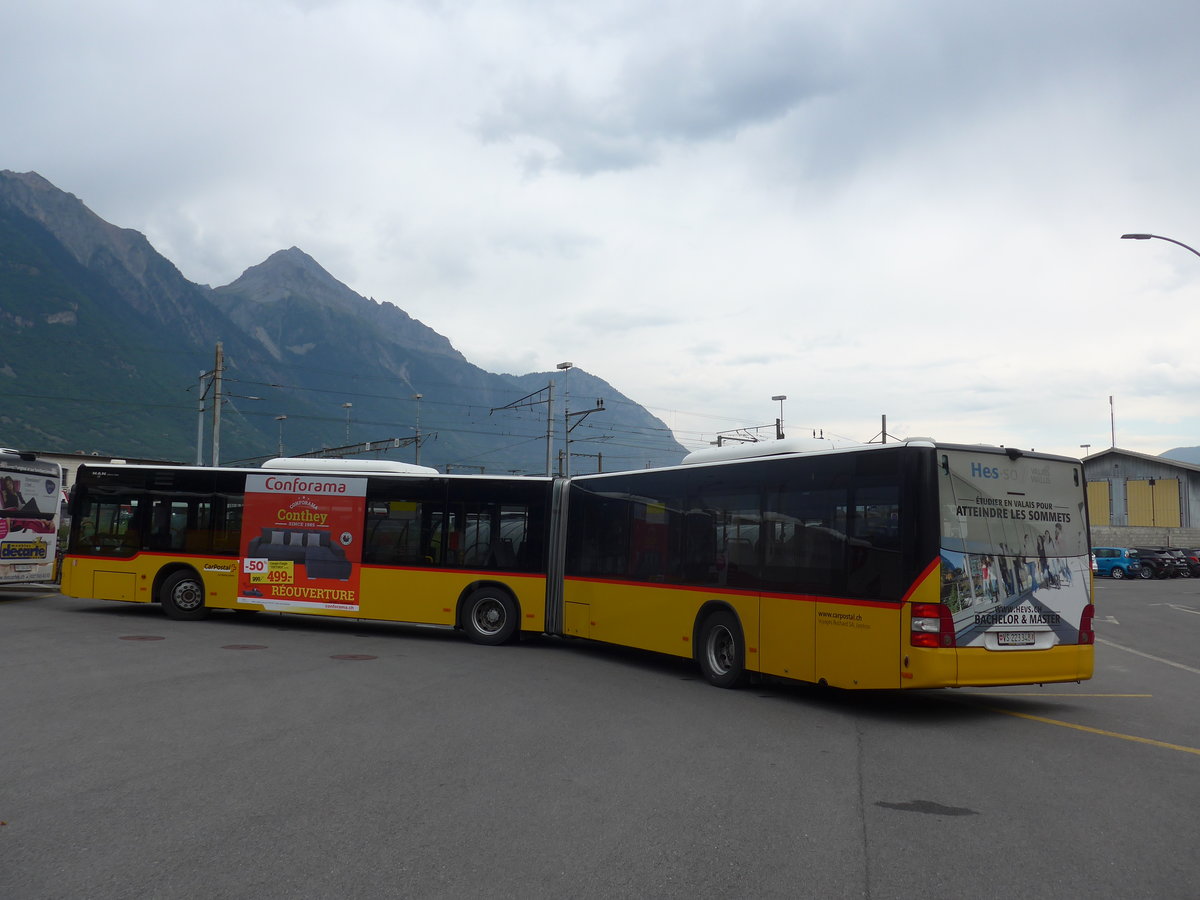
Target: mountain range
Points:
(105, 346)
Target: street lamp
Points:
(1146, 237)
(347, 407)
(281, 420)
(565, 368)
(779, 423)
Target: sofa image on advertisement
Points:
(321, 557)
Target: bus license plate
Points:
(1014, 638)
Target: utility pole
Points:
(200, 421)
(218, 368)
(565, 368)
(417, 458)
(599, 457)
(528, 400)
(549, 428)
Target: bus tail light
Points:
(1087, 634)
(932, 625)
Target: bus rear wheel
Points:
(489, 616)
(722, 650)
(182, 596)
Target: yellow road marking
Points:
(1113, 734)
(1047, 694)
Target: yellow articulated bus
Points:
(909, 565)
(360, 539)
(880, 566)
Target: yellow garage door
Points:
(1098, 503)
(1154, 502)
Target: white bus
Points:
(30, 504)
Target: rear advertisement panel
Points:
(302, 539)
(1015, 559)
(30, 494)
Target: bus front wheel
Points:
(722, 650)
(490, 616)
(182, 596)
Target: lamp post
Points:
(779, 421)
(1085, 448)
(347, 407)
(281, 420)
(1146, 237)
(565, 368)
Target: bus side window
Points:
(873, 564)
(227, 525)
(394, 533)
(812, 547)
(110, 527)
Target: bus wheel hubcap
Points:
(489, 616)
(720, 650)
(187, 597)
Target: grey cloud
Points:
(727, 78)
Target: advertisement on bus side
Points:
(1015, 558)
(302, 541)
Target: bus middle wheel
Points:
(182, 596)
(722, 650)
(489, 616)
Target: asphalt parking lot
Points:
(275, 756)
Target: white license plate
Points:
(1014, 638)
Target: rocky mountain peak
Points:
(305, 346)
(66, 217)
(291, 273)
(292, 280)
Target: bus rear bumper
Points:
(980, 667)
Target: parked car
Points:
(1193, 558)
(1118, 562)
(1158, 563)
(1182, 569)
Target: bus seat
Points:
(503, 555)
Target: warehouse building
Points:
(1137, 500)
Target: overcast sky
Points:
(903, 208)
